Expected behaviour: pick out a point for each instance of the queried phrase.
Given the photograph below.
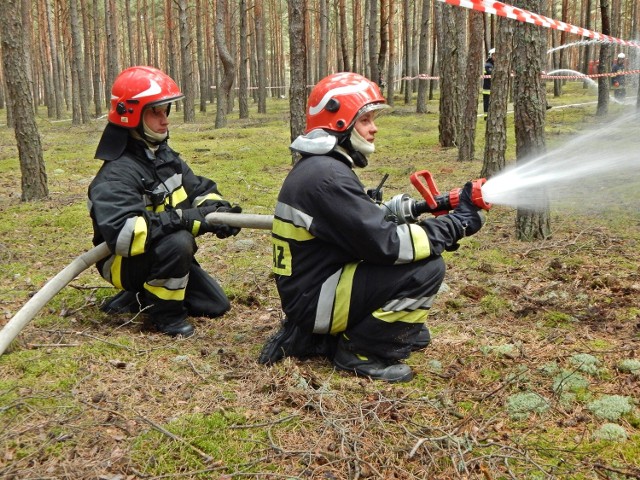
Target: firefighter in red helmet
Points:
(148, 205)
(355, 286)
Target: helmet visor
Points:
(377, 108)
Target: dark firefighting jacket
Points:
(617, 81)
(133, 199)
(324, 220)
(486, 82)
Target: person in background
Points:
(355, 286)
(486, 82)
(148, 206)
(617, 81)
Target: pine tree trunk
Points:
(391, 80)
(228, 66)
(188, 82)
(448, 55)
(243, 78)
(20, 102)
(495, 144)
(605, 63)
(298, 54)
(423, 59)
(469, 117)
(529, 99)
(261, 51)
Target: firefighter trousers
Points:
(379, 309)
(172, 283)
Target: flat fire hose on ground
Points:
(84, 261)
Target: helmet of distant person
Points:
(137, 88)
(492, 51)
(621, 55)
(338, 100)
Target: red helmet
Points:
(339, 99)
(139, 87)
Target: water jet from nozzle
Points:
(598, 168)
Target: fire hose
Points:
(30, 309)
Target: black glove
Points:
(224, 231)
(193, 219)
(467, 213)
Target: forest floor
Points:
(533, 371)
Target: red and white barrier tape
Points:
(509, 11)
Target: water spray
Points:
(583, 173)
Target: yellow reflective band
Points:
(343, 298)
(139, 236)
(195, 228)
(281, 257)
(200, 200)
(176, 197)
(164, 293)
(116, 267)
(416, 316)
(421, 246)
(290, 231)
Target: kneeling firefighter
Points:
(148, 206)
(354, 285)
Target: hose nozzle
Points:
(440, 204)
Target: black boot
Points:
(123, 302)
(371, 366)
(422, 339)
(175, 328)
(291, 341)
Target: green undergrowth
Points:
(221, 438)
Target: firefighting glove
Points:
(469, 215)
(224, 231)
(193, 219)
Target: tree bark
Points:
(261, 51)
(202, 60)
(469, 117)
(323, 38)
(529, 101)
(80, 97)
(188, 81)
(243, 75)
(372, 36)
(384, 44)
(423, 59)
(391, 73)
(298, 55)
(605, 63)
(495, 144)
(357, 37)
(98, 99)
(55, 62)
(448, 55)
(407, 84)
(112, 56)
(228, 66)
(20, 102)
